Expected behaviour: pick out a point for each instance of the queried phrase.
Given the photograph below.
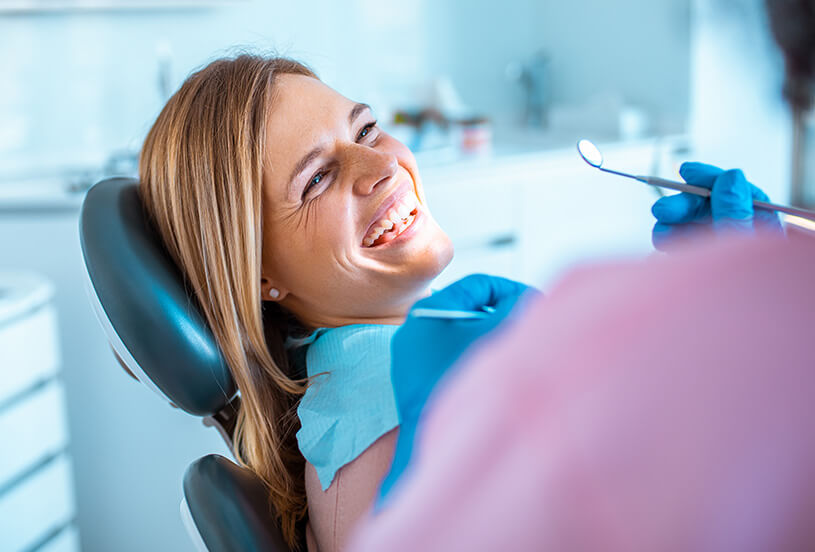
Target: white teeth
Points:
(397, 219)
(393, 216)
(403, 210)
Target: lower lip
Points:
(404, 235)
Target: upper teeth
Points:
(394, 217)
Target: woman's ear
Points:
(269, 291)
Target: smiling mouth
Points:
(396, 220)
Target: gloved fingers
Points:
(666, 237)
(507, 303)
(661, 236)
(474, 292)
(730, 206)
(680, 208)
(758, 194)
(765, 219)
(699, 174)
(731, 201)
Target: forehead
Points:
(304, 113)
(299, 97)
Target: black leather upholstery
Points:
(230, 507)
(144, 298)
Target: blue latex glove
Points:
(423, 350)
(729, 208)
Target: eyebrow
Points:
(356, 110)
(304, 162)
(313, 154)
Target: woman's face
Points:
(347, 235)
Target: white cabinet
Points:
(39, 508)
(109, 415)
(36, 486)
(479, 214)
(572, 213)
(36, 427)
(25, 312)
(531, 216)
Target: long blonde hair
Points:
(201, 170)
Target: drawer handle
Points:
(502, 241)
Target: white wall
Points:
(78, 85)
(738, 116)
(636, 49)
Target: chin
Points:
(437, 256)
(422, 268)
(445, 254)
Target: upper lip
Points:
(401, 191)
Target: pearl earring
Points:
(274, 293)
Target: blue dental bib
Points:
(350, 402)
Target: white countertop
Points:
(39, 194)
(22, 292)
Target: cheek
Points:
(326, 234)
(406, 160)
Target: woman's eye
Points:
(366, 130)
(316, 179)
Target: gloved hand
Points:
(423, 350)
(729, 208)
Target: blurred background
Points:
(491, 96)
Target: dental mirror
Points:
(591, 155)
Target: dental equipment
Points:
(452, 314)
(591, 155)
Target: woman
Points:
(291, 212)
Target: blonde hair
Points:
(201, 170)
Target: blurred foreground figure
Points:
(664, 405)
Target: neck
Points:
(394, 315)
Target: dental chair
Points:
(162, 339)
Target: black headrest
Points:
(153, 322)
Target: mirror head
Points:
(590, 153)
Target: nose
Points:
(370, 167)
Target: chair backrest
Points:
(152, 321)
(158, 332)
